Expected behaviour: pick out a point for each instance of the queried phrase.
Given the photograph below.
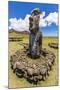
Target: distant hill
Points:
(17, 32)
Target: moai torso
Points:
(34, 33)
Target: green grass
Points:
(15, 82)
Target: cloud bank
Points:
(23, 24)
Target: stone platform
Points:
(33, 70)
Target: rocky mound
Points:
(53, 45)
(33, 70)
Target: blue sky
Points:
(21, 9)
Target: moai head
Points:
(34, 20)
(35, 11)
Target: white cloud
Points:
(52, 18)
(48, 20)
(19, 24)
(42, 22)
(42, 14)
(23, 24)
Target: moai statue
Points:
(35, 37)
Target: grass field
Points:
(14, 81)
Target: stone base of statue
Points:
(33, 70)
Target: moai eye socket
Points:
(30, 19)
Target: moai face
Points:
(34, 21)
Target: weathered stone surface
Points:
(35, 37)
(33, 70)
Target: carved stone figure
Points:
(35, 38)
(22, 65)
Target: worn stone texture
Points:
(35, 37)
(33, 70)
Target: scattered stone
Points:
(53, 45)
(33, 70)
